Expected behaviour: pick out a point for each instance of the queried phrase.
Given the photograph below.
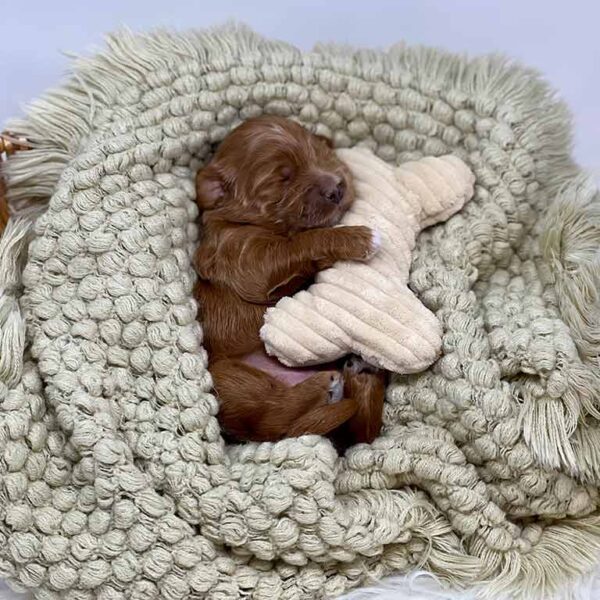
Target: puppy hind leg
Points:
(321, 396)
(366, 385)
(325, 387)
(246, 395)
(256, 406)
(323, 419)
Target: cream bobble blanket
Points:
(368, 309)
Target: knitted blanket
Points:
(114, 480)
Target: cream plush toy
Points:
(367, 308)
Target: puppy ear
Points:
(328, 142)
(210, 187)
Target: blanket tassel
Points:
(12, 325)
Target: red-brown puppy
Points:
(270, 199)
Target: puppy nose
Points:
(332, 188)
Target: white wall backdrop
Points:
(557, 37)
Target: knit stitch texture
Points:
(114, 480)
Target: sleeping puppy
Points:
(270, 199)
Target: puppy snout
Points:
(331, 188)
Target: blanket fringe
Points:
(564, 551)
(59, 123)
(445, 554)
(570, 243)
(560, 432)
(12, 324)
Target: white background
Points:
(560, 38)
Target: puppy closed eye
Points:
(286, 174)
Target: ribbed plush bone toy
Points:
(368, 309)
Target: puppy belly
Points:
(290, 376)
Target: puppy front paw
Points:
(361, 243)
(370, 244)
(375, 242)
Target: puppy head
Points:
(272, 172)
